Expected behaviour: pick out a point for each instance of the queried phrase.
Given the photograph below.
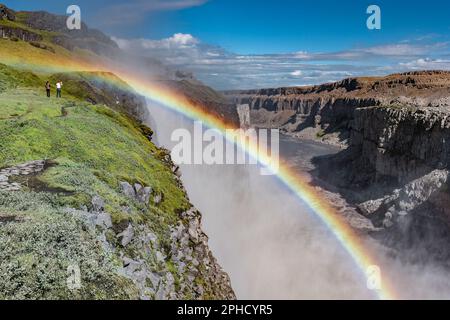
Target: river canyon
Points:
(271, 244)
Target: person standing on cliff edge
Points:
(47, 88)
(58, 89)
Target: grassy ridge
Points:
(12, 78)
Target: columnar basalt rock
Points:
(401, 143)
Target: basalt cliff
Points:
(395, 134)
(325, 111)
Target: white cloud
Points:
(301, 55)
(395, 50)
(133, 11)
(420, 64)
(177, 41)
(226, 70)
(183, 39)
(145, 6)
(297, 73)
(403, 49)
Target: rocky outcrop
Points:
(85, 38)
(42, 46)
(6, 13)
(406, 199)
(394, 145)
(190, 247)
(243, 111)
(19, 34)
(128, 257)
(183, 266)
(25, 169)
(12, 32)
(139, 193)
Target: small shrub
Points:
(320, 134)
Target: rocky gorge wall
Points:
(394, 145)
(396, 171)
(394, 165)
(402, 143)
(325, 111)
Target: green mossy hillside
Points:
(89, 149)
(105, 141)
(13, 78)
(42, 243)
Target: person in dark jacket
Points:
(47, 88)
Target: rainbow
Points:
(295, 181)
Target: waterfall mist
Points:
(262, 235)
(272, 246)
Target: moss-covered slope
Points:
(83, 188)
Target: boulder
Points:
(98, 204)
(127, 190)
(104, 220)
(155, 279)
(143, 194)
(127, 235)
(194, 226)
(137, 192)
(42, 46)
(137, 188)
(146, 194)
(130, 266)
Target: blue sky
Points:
(230, 43)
